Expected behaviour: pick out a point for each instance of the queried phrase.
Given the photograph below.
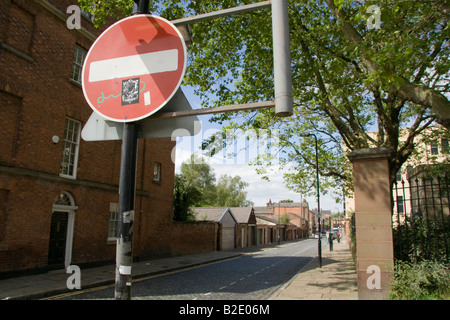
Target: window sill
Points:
(75, 83)
(16, 52)
(65, 176)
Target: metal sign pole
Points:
(127, 184)
(282, 59)
(319, 244)
(124, 249)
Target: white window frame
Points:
(400, 205)
(70, 141)
(157, 172)
(79, 56)
(398, 176)
(445, 146)
(434, 148)
(113, 221)
(87, 15)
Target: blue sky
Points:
(259, 191)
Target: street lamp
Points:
(318, 197)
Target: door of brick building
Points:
(58, 236)
(61, 231)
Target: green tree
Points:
(230, 192)
(284, 218)
(348, 79)
(199, 175)
(185, 197)
(196, 186)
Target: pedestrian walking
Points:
(330, 240)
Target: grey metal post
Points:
(127, 190)
(124, 249)
(282, 59)
(140, 6)
(319, 243)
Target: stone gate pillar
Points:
(374, 245)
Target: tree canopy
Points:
(200, 176)
(354, 87)
(230, 192)
(196, 186)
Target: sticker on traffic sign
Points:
(134, 68)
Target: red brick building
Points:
(297, 212)
(58, 193)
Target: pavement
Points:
(336, 280)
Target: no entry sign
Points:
(134, 68)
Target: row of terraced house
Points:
(249, 226)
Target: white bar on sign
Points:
(132, 66)
(147, 99)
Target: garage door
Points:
(227, 238)
(251, 236)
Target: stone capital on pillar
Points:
(369, 154)
(373, 207)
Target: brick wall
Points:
(193, 237)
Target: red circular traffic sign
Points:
(134, 68)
